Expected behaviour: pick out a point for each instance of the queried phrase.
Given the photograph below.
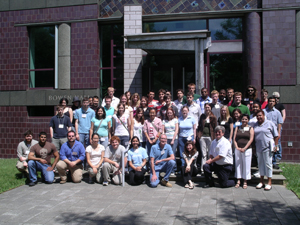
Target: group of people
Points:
(217, 133)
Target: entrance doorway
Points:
(168, 71)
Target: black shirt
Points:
(227, 126)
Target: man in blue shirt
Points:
(72, 154)
(162, 160)
(59, 127)
(83, 118)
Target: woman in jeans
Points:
(100, 124)
(170, 128)
(122, 125)
(206, 134)
(187, 131)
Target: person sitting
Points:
(162, 160)
(94, 157)
(40, 160)
(137, 158)
(113, 162)
(190, 155)
(220, 160)
(23, 151)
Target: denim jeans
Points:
(278, 155)
(168, 168)
(174, 149)
(181, 143)
(124, 141)
(105, 142)
(34, 166)
(84, 139)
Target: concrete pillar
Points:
(133, 57)
(199, 64)
(252, 43)
(64, 56)
(298, 45)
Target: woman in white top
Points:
(170, 128)
(94, 158)
(128, 108)
(122, 125)
(138, 124)
(135, 102)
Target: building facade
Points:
(53, 49)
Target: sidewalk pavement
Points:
(94, 204)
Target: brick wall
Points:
(291, 132)
(85, 55)
(279, 47)
(15, 122)
(279, 3)
(14, 43)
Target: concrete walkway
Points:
(94, 204)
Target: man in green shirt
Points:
(237, 104)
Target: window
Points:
(42, 56)
(181, 25)
(112, 58)
(226, 29)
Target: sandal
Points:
(268, 187)
(260, 185)
(237, 185)
(245, 186)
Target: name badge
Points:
(246, 128)
(237, 124)
(217, 106)
(162, 152)
(223, 123)
(27, 152)
(102, 139)
(83, 116)
(60, 126)
(74, 153)
(207, 121)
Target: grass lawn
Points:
(292, 175)
(10, 177)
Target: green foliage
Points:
(232, 29)
(10, 177)
(291, 173)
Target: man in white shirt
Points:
(194, 108)
(220, 160)
(114, 100)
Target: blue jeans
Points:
(34, 166)
(124, 140)
(105, 142)
(168, 168)
(174, 149)
(84, 139)
(278, 155)
(181, 143)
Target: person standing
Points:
(194, 109)
(83, 117)
(23, 151)
(59, 127)
(216, 106)
(114, 100)
(203, 99)
(238, 104)
(40, 160)
(180, 101)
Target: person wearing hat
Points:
(281, 109)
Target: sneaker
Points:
(105, 183)
(31, 184)
(63, 181)
(165, 183)
(173, 174)
(276, 167)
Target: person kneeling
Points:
(113, 162)
(162, 160)
(40, 160)
(137, 158)
(220, 160)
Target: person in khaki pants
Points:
(72, 154)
